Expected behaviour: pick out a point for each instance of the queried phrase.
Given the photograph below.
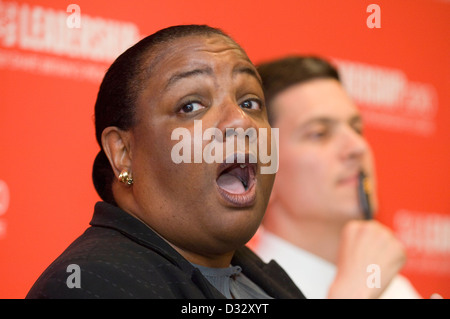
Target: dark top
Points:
(232, 283)
(121, 257)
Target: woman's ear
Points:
(116, 144)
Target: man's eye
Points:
(191, 107)
(251, 104)
(358, 129)
(318, 134)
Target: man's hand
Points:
(364, 243)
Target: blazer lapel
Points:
(107, 215)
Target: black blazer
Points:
(120, 257)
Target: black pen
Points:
(364, 192)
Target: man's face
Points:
(198, 207)
(321, 151)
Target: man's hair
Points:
(119, 90)
(278, 75)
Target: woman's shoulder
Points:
(103, 263)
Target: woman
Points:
(167, 229)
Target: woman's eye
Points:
(191, 107)
(251, 104)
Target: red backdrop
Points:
(50, 72)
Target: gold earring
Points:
(125, 177)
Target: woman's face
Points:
(207, 209)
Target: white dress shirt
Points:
(314, 275)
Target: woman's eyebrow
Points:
(209, 71)
(247, 70)
(186, 74)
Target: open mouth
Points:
(236, 182)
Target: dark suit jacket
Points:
(120, 257)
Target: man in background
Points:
(314, 226)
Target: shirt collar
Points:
(312, 274)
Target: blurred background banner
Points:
(394, 58)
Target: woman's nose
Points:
(239, 130)
(233, 119)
